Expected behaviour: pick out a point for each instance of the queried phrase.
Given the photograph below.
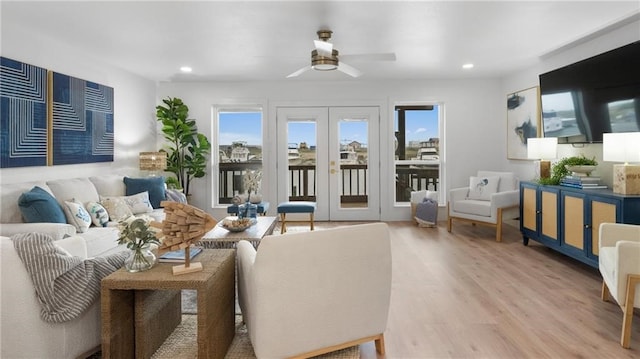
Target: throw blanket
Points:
(65, 285)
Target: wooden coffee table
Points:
(219, 237)
(139, 310)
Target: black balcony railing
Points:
(353, 181)
(415, 178)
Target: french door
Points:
(330, 155)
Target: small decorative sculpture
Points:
(183, 226)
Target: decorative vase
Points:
(248, 210)
(140, 259)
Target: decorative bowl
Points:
(581, 170)
(237, 225)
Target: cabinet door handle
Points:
(587, 226)
(538, 212)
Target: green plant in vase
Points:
(559, 169)
(138, 235)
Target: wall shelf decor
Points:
(523, 121)
(23, 114)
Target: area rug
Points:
(181, 344)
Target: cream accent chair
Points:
(308, 293)
(485, 211)
(619, 264)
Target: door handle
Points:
(333, 171)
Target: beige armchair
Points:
(619, 264)
(308, 293)
(485, 200)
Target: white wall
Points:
(474, 127)
(584, 49)
(134, 102)
(475, 114)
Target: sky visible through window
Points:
(420, 125)
(247, 126)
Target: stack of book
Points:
(583, 182)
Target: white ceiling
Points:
(248, 41)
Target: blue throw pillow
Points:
(39, 206)
(153, 185)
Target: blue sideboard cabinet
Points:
(568, 219)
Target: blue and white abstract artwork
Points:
(82, 120)
(23, 114)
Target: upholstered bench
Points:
(263, 207)
(295, 207)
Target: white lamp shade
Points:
(542, 148)
(621, 147)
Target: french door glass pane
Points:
(301, 148)
(353, 135)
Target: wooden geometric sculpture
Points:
(183, 226)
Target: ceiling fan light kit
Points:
(325, 58)
(324, 63)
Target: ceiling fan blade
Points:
(324, 48)
(388, 56)
(298, 72)
(349, 70)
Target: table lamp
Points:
(153, 162)
(623, 147)
(543, 149)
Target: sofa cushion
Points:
(38, 205)
(81, 189)
(99, 215)
(9, 194)
(154, 185)
(109, 185)
(481, 188)
(116, 207)
(471, 206)
(77, 215)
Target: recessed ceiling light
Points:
(186, 69)
(467, 66)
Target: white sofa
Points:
(303, 294)
(23, 334)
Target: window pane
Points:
(417, 150)
(239, 150)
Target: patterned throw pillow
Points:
(481, 188)
(77, 215)
(139, 203)
(116, 207)
(98, 213)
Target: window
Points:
(417, 149)
(237, 149)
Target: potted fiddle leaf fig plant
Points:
(187, 148)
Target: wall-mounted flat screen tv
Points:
(598, 95)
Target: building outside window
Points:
(417, 150)
(237, 149)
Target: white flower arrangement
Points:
(251, 181)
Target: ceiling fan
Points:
(325, 58)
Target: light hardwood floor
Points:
(463, 295)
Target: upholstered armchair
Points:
(619, 264)
(303, 294)
(485, 200)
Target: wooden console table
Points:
(139, 309)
